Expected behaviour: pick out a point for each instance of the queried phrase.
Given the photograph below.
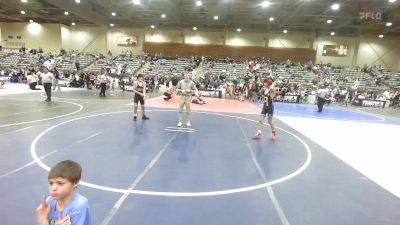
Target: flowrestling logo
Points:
(291, 98)
(370, 15)
(376, 104)
(210, 93)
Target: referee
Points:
(186, 88)
(321, 95)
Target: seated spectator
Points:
(32, 81)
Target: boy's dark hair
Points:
(139, 75)
(67, 169)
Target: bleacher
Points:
(293, 75)
(133, 65)
(27, 61)
(65, 64)
(9, 60)
(167, 67)
(231, 71)
(345, 77)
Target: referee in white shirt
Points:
(103, 84)
(321, 95)
(47, 80)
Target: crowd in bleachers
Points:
(240, 79)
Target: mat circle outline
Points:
(176, 194)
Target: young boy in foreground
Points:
(65, 206)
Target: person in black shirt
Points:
(139, 87)
(267, 94)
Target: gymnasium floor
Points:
(335, 167)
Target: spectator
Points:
(32, 81)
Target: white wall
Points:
(188, 36)
(87, 39)
(165, 36)
(112, 35)
(247, 39)
(291, 40)
(205, 37)
(398, 65)
(370, 51)
(53, 37)
(385, 52)
(351, 42)
(33, 35)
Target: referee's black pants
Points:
(47, 89)
(103, 90)
(320, 103)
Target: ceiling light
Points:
(199, 3)
(73, 24)
(66, 13)
(113, 14)
(285, 31)
(335, 6)
(239, 30)
(77, 1)
(163, 16)
(23, 12)
(265, 4)
(271, 19)
(332, 33)
(381, 36)
(111, 24)
(194, 28)
(329, 21)
(31, 21)
(389, 24)
(24, 1)
(391, 1)
(152, 26)
(216, 17)
(136, 2)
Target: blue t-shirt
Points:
(77, 209)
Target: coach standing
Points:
(186, 88)
(47, 80)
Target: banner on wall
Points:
(14, 43)
(335, 50)
(127, 41)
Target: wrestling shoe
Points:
(188, 124)
(179, 124)
(257, 135)
(145, 118)
(134, 118)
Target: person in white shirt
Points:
(31, 79)
(47, 80)
(322, 93)
(103, 84)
